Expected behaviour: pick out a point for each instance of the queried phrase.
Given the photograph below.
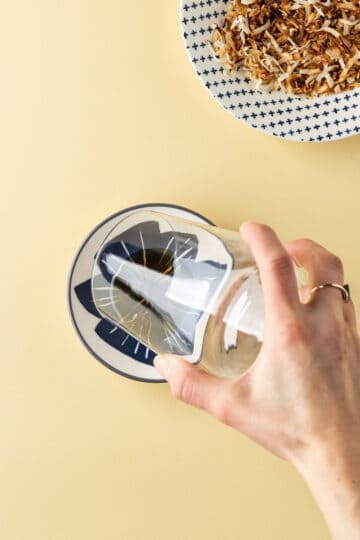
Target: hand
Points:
(301, 397)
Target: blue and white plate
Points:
(111, 345)
(319, 119)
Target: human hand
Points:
(301, 397)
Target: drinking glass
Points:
(183, 288)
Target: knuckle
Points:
(183, 386)
(335, 263)
(281, 264)
(222, 410)
(308, 244)
(308, 241)
(294, 332)
(263, 228)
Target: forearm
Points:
(333, 476)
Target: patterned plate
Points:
(298, 119)
(113, 346)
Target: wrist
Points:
(332, 471)
(338, 453)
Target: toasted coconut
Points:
(305, 47)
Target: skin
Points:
(301, 398)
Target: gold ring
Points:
(344, 289)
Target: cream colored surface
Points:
(100, 109)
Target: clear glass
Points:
(182, 288)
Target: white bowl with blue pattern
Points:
(317, 119)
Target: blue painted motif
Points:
(182, 318)
(111, 334)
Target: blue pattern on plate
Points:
(299, 119)
(174, 322)
(112, 334)
(182, 317)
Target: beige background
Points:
(100, 109)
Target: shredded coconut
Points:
(305, 47)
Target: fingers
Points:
(194, 386)
(322, 267)
(276, 270)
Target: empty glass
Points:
(183, 288)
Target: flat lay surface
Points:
(100, 110)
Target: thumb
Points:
(194, 386)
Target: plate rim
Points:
(71, 273)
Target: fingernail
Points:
(163, 365)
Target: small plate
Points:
(318, 119)
(111, 345)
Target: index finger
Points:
(276, 269)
